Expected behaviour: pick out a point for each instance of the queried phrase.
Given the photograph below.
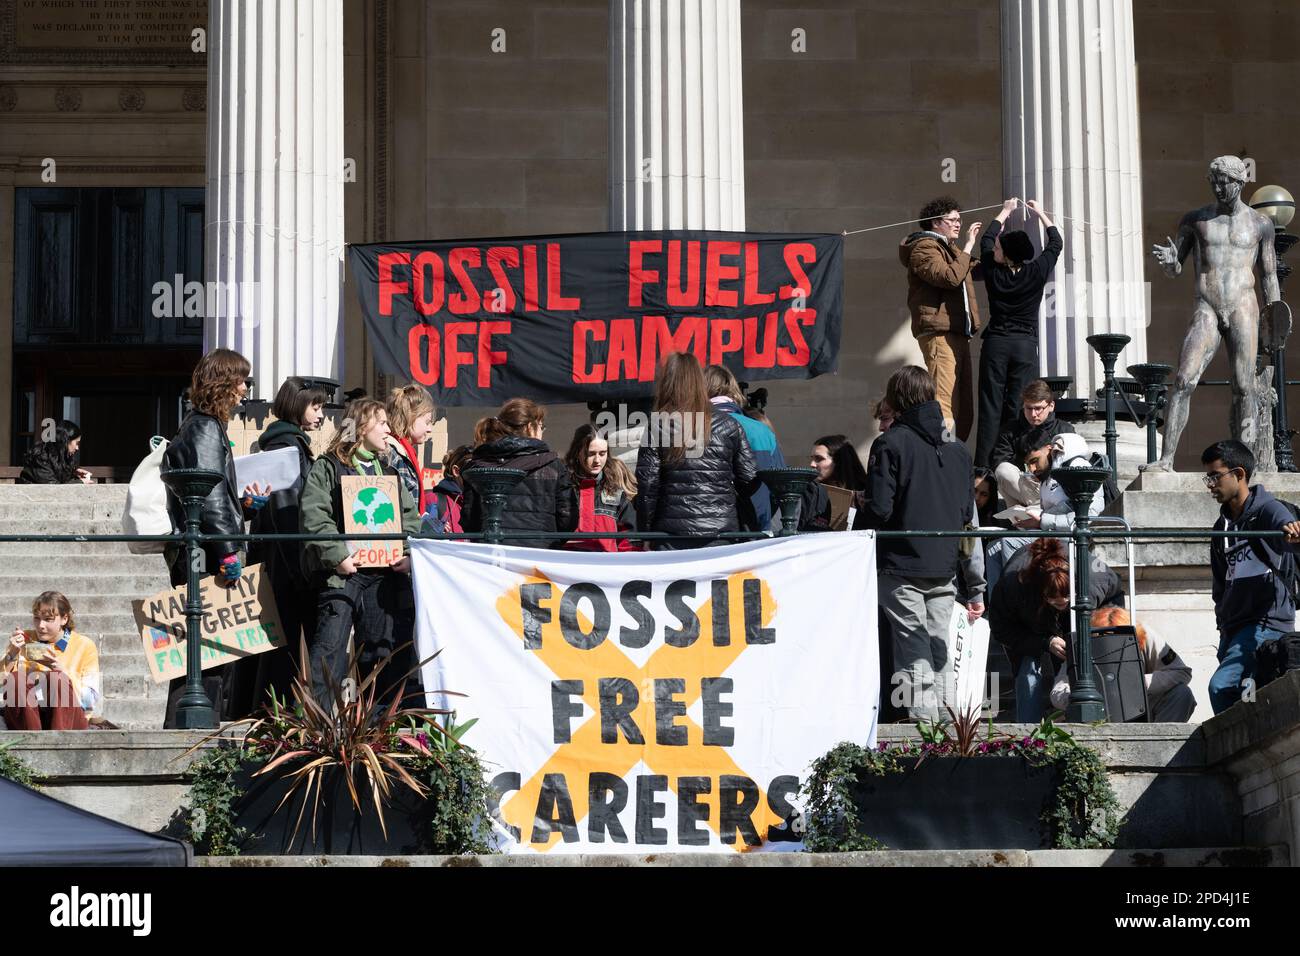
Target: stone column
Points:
(677, 152)
(1070, 139)
(274, 243)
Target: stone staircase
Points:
(100, 579)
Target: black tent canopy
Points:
(36, 830)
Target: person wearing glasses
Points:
(1013, 280)
(1037, 410)
(1252, 594)
(941, 299)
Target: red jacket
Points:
(599, 510)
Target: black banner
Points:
(576, 318)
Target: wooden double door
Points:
(98, 337)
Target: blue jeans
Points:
(1236, 663)
(1033, 690)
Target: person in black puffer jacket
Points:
(918, 479)
(693, 469)
(544, 500)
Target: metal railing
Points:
(195, 710)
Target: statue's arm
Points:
(1173, 252)
(1268, 262)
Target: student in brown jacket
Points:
(941, 298)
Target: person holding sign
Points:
(217, 387)
(375, 603)
(299, 409)
(50, 672)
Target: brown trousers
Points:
(28, 713)
(947, 359)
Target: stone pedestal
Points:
(1131, 445)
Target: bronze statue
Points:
(1227, 237)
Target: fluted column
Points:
(1070, 139)
(677, 156)
(275, 185)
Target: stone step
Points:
(79, 558)
(1278, 856)
(126, 581)
(58, 524)
(70, 549)
(100, 489)
(137, 714)
(78, 511)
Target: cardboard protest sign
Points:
(372, 505)
(841, 503)
(238, 622)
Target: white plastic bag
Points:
(146, 501)
(968, 649)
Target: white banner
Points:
(650, 702)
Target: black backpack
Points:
(1274, 658)
(1289, 572)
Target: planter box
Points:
(957, 803)
(340, 829)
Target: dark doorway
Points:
(97, 335)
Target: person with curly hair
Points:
(217, 387)
(941, 299)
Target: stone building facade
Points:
(474, 118)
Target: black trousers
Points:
(378, 609)
(1007, 364)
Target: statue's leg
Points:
(1199, 346)
(1243, 343)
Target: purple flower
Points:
(983, 748)
(1040, 744)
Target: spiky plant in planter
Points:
(385, 754)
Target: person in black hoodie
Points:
(918, 478)
(1252, 597)
(694, 469)
(299, 408)
(1014, 281)
(544, 500)
(217, 387)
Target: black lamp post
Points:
(1153, 377)
(192, 486)
(1279, 205)
(1108, 345)
(787, 486)
(1086, 701)
(493, 485)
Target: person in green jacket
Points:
(376, 604)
